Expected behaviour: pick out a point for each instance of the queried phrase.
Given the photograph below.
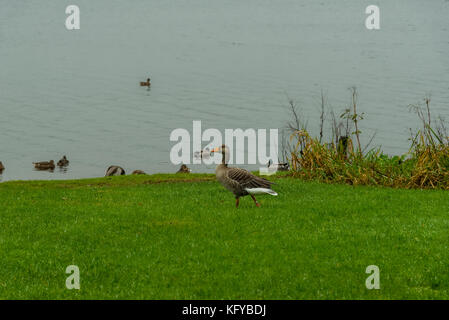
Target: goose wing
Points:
(246, 179)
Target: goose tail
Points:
(261, 191)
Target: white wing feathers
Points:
(260, 191)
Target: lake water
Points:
(230, 64)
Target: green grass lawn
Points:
(180, 237)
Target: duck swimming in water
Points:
(146, 83)
(63, 162)
(44, 165)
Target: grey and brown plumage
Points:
(115, 171)
(240, 181)
(138, 172)
(44, 165)
(63, 162)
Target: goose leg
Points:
(237, 202)
(255, 201)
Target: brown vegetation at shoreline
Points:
(343, 160)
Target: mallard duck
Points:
(240, 181)
(44, 165)
(183, 169)
(138, 172)
(145, 84)
(115, 171)
(63, 162)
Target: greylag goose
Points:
(138, 172)
(2, 167)
(145, 84)
(240, 181)
(44, 165)
(114, 171)
(63, 162)
(183, 169)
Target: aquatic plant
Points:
(343, 160)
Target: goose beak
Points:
(215, 150)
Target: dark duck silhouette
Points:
(146, 83)
(63, 162)
(44, 165)
(183, 169)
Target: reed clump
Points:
(343, 160)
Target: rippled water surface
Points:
(231, 64)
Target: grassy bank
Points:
(180, 237)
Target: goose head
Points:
(224, 150)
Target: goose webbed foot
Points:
(237, 200)
(255, 201)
